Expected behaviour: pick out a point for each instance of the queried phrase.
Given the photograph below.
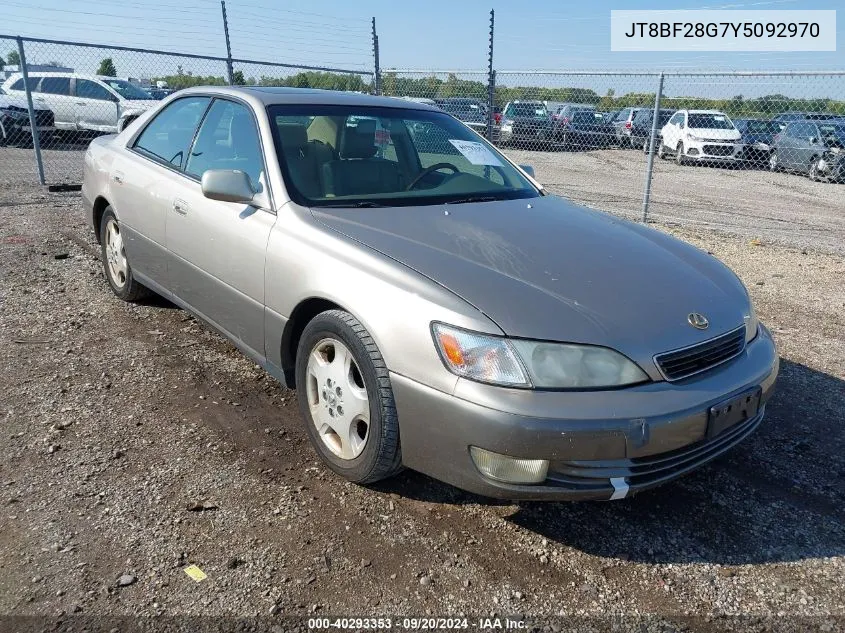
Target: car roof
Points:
(268, 95)
(703, 112)
(58, 73)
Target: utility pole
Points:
(377, 77)
(491, 81)
(229, 71)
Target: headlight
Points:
(751, 324)
(693, 137)
(557, 365)
(521, 363)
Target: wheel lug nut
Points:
(339, 391)
(340, 410)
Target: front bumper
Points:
(596, 442)
(713, 151)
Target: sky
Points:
(434, 35)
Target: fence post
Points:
(491, 81)
(652, 138)
(229, 72)
(377, 67)
(33, 124)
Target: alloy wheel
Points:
(115, 254)
(337, 398)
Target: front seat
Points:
(358, 171)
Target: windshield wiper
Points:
(473, 199)
(363, 204)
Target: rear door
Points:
(54, 94)
(218, 248)
(95, 107)
(143, 180)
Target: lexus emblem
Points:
(698, 321)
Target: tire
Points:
(774, 161)
(661, 151)
(361, 443)
(813, 171)
(115, 264)
(679, 154)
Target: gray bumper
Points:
(642, 436)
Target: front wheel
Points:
(661, 151)
(815, 171)
(345, 398)
(679, 155)
(774, 161)
(116, 265)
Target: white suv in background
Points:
(700, 135)
(84, 102)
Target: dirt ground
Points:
(134, 442)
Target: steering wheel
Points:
(425, 172)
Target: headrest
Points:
(293, 135)
(359, 141)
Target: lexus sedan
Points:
(434, 307)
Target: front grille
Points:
(719, 150)
(697, 358)
(651, 469)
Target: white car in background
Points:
(700, 136)
(84, 102)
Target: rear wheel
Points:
(116, 265)
(661, 151)
(679, 154)
(346, 400)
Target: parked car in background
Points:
(584, 129)
(159, 93)
(15, 126)
(89, 103)
(707, 136)
(564, 110)
(641, 127)
(757, 139)
(815, 148)
(472, 113)
(523, 347)
(787, 117)
(526, 122)
(624, 123)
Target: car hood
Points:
(544, 268)
(715, 133)
(138, 104)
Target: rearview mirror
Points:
(528, 169)
(227, 185)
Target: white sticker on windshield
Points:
(476, 153)
(718, 117)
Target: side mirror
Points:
(528, 169)
(227, 185)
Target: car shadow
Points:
(777, 497)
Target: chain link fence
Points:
(756, 153)
(79, 91)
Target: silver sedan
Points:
(433, 306)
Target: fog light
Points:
(692, 151)
(509, 469)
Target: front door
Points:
(218, 248)
(95, 106)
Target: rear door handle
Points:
(118, 177)
(77, 103)
(180, 206)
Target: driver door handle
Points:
(180, 206)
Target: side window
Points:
(676, 118)
(167, 137)
(87, 89)
(228, 139)
(55, 85)
(33, 84)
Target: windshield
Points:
(762, 127)
(529, 110)
(363, 156)
(833, 132)
(127, 90)
(710, 121)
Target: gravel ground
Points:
(135, 442)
